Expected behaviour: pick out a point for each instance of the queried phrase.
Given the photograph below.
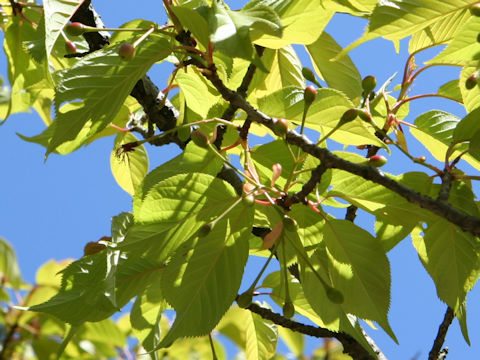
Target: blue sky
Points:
(52, 209)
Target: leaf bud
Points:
(348, 116)
(335, 296)
(277, 171)
(92, 248)
(377, 160)
(472, 81)
(75, 29)
(199, 138)
(288, 309)
(204, 230)
(369, 83)
(273, 236)
(126, 51)
(248, 200)
(70, 47)
(280, 127)
(245, 299)
(309, 75)
(309, 95)
(362, 114)
(475, 9)
(289, 223)
(420, 159)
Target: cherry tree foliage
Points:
(257, 176)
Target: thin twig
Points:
(350, 345)
(436, 352)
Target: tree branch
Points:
(436, 353)
(350, 345)
(466, 222)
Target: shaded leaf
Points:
(202, 291)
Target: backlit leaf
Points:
(129, 167)
(102, 81)
(201, 291)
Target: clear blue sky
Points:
(51, 210)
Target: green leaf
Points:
(83, 287)
(313, 303)
(194, 20)
(295, 341)
(450, 255)
(57, 14)
(202, 290)
(471, 97)
(232, 326)
(342, 74)
(467, 127)
(452, 90)
(173, 211)
(120, 225)
(302, 20)
(360, 270)
(463, 49)
(199, 95)
(129, 167)
(435, 130)
(105, 331)
(23, 72)
(390, 234)
(323, 115)
(285, 69)
(395, 20)
(265, 156)
(9, 270)
(96, 286)
(380, 202)
(232, 32)
(452, 258)
(439, 32)
(194, 159)
(145, 316)
(261, 337)
(88, 80)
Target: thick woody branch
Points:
(350, 345)
(466, 222)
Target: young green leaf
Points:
(128, 168)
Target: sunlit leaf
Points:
(342, 74)
(102, 81)
(129, 167)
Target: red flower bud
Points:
(377, 160)
(75, 29)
